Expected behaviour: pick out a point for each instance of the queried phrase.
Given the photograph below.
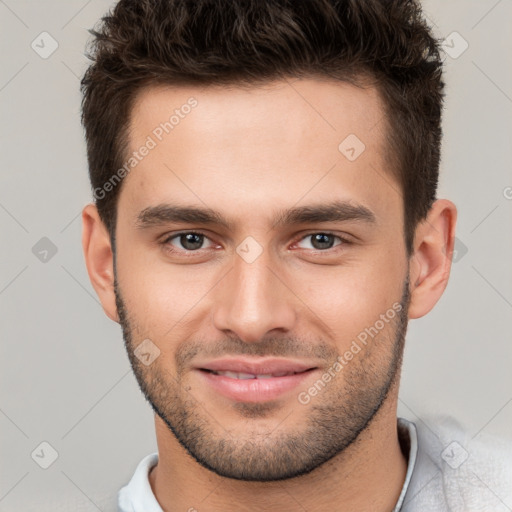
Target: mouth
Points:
(246, 376)
(249, 380)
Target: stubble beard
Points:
(329, 424)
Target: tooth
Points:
(246, 376)
(232, 375)
(236, 375)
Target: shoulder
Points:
(137, 495)
(456, 470)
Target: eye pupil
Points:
(322, 241)
(191, 241)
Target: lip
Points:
(254, 389)
(260, 366)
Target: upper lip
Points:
(265, 366)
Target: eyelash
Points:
(169, 248)
(166, 242)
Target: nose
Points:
(253, 301)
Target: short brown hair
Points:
(199, 42)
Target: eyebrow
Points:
(336, 211)
(165, 213)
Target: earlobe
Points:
(432, 257)
(99, 259)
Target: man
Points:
(265, 224)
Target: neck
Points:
(369, 473)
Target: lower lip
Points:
(254, 390)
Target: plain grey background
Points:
(65, 378)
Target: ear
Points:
(432, 257)
(99, 259)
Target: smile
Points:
(244, 376)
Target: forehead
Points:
(317, 106)
(244, 149)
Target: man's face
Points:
(319, 296)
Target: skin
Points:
(249, 153)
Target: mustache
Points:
(268, 347)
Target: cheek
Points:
(170, 302)
(349, 299)
(161, 298)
